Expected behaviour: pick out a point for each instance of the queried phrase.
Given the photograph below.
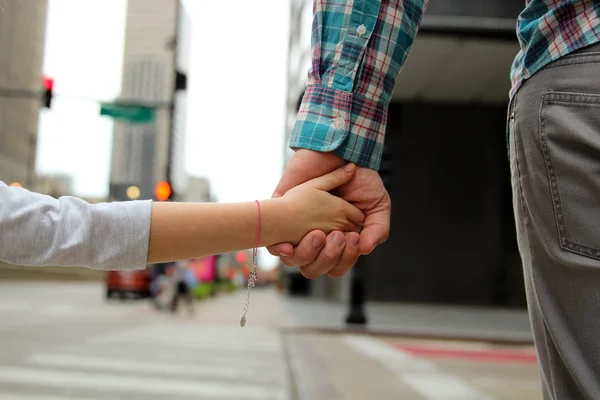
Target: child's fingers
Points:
(350, 226)
(354, 214)
(333, 179)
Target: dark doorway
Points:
(453, 237)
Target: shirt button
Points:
(361, 30)
(339, 123)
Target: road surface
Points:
(63, 341)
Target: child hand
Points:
(310, 206)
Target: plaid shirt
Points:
(550, 29)
(359, 47)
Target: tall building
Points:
(179, 177)
(55, 185)
(197, 190)
(22, 41)
(299, 61)
(140, 151)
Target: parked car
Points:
(128, 284)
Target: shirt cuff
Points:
(125, 229)
(349, 124)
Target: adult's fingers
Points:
(349, 257)
(327, 258)
(281, 250)
(306, 251)
(375, 230)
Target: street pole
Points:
(170, 145)
(357, 315)
(31, 148)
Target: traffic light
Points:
(48, 87)
(180, 81)
(163, 191)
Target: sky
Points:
(236, 93)
(84, 47)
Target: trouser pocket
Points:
(570, 140)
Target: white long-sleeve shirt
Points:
(39, 230)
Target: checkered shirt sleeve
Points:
(358, 49)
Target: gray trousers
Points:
(555, 167)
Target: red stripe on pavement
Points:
(479, 355)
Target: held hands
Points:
(335, 254)
(310, 206)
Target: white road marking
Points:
(421, 375)
(137, 385)
(116, 365)
(28, 396)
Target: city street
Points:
(60, 341)
(63, 341)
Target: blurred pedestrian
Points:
(166, 287)
(157, 272)
(183, 286)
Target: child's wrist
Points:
(275, 215)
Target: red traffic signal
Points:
(48, 84)
(163, 191)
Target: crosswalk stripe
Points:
(48, 310)
(192, 333)
(143, 353)
(59, 310)
(233, 371)
(200, 341)
(206, 343)
(22, 321)
(415, 372)
(28, 396)
(13, 306)
(131, 384)
(193, 330)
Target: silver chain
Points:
(251, 283)
(253, 276)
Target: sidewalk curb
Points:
(307, 383)
(498, 339)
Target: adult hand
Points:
(336, 253)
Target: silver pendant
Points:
(251, 284)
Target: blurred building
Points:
(22, 41)
(184, 39)
(197, 190)
(94, 200)
(445, 164)
(299, 61)
(55, 185)
(140, 151)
